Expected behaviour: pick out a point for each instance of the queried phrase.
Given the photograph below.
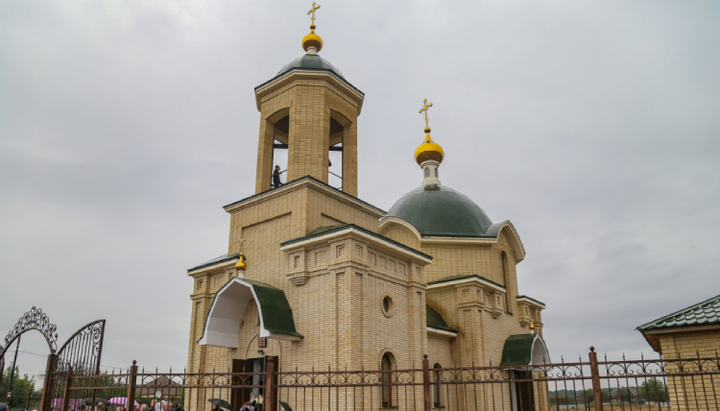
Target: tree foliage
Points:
(654, 390)
(20, 388)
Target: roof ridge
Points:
(340, 227)
(297, 181)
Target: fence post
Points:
(132, 376)
(47, 382)
(595, 373)
(426, 382)
(66, 393)
(270, 402)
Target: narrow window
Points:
(436, 385)
(503, 257)
(387, 389)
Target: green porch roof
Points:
(518, 350)
(228, 308)
(276, 312)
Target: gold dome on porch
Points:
(241, 264)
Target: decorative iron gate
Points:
(35, 319)
(79, 355)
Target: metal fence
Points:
(627, 385)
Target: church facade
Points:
(316, 277)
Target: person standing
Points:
(276, 177)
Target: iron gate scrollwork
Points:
(80, 355)
(82, 350)
(35, 319)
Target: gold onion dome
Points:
(312, 40)
(241, 264)
(429, 150)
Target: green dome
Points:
(311, 62)
(440, 211)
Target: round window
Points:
(387, 305)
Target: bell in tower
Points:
(309, 109)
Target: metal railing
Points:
(626, 385)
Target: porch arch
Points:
(227, 311)
(525, 349)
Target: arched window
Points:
(386, 366)
(435, 376)
(505, 275)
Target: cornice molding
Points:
(299, 74)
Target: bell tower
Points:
(309, 109)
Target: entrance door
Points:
(251, 379)
(241, 393)
(525, 391)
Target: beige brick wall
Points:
(689, 344)
(335, 309)
(690, 393)
(325, 211)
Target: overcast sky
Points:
(125, 126)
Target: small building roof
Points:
(703, 313)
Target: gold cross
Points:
(312, 10)
(241, 241)
(425, 108)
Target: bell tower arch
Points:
(310, 109)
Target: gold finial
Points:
(425, 108)
(312, 19)
(241, 264)
(532, 326)
(312, 43)
(428, 150)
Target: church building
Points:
(316, 277)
